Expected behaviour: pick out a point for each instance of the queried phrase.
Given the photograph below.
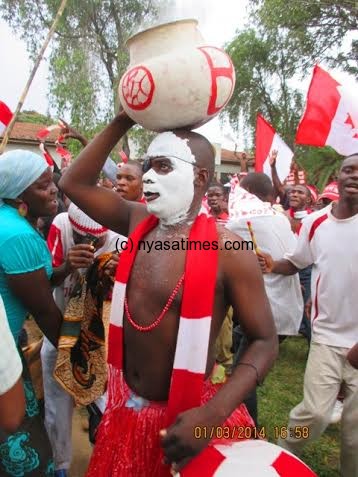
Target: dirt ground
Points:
(81, 446)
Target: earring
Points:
(23, 209)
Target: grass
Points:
(282, 390)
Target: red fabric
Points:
(316, 224)
(264, 138)
(288, 466)
(54, 243)
(204, 465)
(316, 299)
(5, 114)
(322, 102)
(127, 442)
(87, 229)
(292, 212)
(293, 180)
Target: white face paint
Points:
(176, 188)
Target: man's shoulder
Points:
(61, 221)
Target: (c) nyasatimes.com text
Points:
(183, 244)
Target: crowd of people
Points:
(158, 344)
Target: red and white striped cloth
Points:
(195, 318)
(331, 115)
(5, 116)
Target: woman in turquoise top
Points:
(27, 192)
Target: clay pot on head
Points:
(174, 79)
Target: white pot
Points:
(174, 79)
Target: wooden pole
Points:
(33, 72)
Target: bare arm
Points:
(281, 267)
(79, 182)
(12, 407)
(34, 291)
(246, 292)
(277, 184)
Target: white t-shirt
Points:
(60, 241)
(10, 362)
(331, 245)
(274, 236)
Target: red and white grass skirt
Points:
(127, 441)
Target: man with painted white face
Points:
(173, 285)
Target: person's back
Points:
(274, 236)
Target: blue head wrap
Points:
(18, 170)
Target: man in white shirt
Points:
(12, 399)
(328, 240)
(273, 235)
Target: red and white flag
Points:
(267, 140)
(47, 155)
(5, 116)
(331, 115)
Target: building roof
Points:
(26, 133)
(232, 157)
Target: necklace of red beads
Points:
(162, 313)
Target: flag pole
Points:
(33, 72)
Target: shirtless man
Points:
(173, 187)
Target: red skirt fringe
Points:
(127, 441)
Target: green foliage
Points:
(263, 69)
(322, 164)
(141, 139)
(282, 390)
(282, 41)
(320, 31)
(33, 117)
(87, 54)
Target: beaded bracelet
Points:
(258, 382)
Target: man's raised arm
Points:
(79, 182)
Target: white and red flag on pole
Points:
(5, 116)
(267, 140)
(331, 115)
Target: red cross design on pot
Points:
(138, 88)
(222, 70)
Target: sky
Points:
(218, 21)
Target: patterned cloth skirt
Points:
(127, 441)
(27, 452)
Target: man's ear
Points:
(201, 178)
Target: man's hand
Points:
(308, 308)
(272, 158)
(69, 132)
(352, 356)
(111, 267)
(179, 442)
(266, 261)
(80, 256)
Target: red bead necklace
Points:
(160, 317)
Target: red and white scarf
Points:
(195, 316)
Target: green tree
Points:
(320, 30)
(88, 53)
(34, 117)
(264, 68)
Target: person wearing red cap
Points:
(68, 242)
(330, 194)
